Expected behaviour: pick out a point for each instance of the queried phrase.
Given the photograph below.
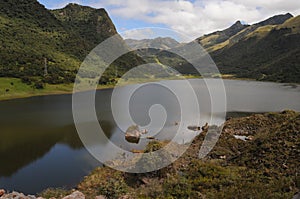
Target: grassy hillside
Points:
(93, 25)
(221, 36)
(33, 38)
(30, 34)
(268, 53)
(268, 50)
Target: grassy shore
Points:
(264, 166)
(13, 88)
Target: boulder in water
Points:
(133, 134)
(194, 128)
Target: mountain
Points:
(32, 36)
(29, 33)
(268, 50)
(234, 38)
(93, 25)
(159, 43)
(220, 36)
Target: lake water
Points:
(40, 148)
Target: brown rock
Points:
(137, 151)
(133, 134)
(100, 197)
(125, 197)
(145, 180)
(2, 192)
(205, 127)
(75, 195)
(194, 128)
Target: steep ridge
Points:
(220, 36)
(33, 38)
(268, 50)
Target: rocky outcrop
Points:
(75, 195)
(17, 195)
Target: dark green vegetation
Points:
(265, 166)
(33, 38)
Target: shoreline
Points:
(67, 89)
(226, 167)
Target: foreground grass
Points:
(266, 166)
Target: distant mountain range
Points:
(32, 36)
(268, 50)
(159, 42)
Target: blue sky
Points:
(190, 17)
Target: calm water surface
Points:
(39, 146)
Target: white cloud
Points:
(200, 16)
(138, 34)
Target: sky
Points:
(192, 18)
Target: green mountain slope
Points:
(220, 36)
(268, 53)
(93, 25)
(268, 50)
(29, 33)
(33, 37)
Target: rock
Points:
(150, 138)
(145, 180)
(137, 151)
(144, 131)
(297, 196)
(133, 134)
(125, 197)
(2, 192)
(194, 128)
(16, 195)
(75, 195)
(205, 127)
(100, 197)
(198, 128)
(249, 138)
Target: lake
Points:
(40, 148)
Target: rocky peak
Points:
(91, 24)
(275, 20)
